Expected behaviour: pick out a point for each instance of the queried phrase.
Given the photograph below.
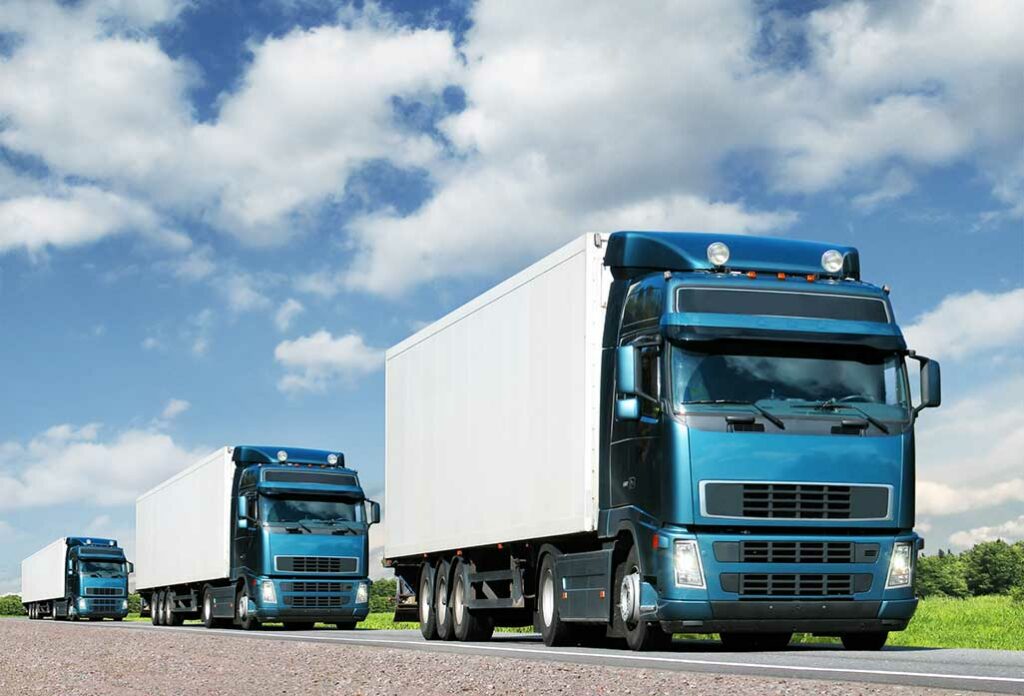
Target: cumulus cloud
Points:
(1011, 530)
(287, 312)
(965, 323)
(936, 499)
(68, 463)
(894, 185)
(174, 408)
(312, 362)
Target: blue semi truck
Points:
(254, 534)
(650, 433)
(76, 578)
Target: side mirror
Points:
(374, 512)
(131, 567)
(625, 370)
(627, 409)
(931, 384)
(243, 512)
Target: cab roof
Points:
(267, 454)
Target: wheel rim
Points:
(424, 599)
(547, 599)
(243, 606)
(442, 601)
(459, 606)
(629, 592)
(207, 608)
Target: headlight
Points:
(269, 594)
(718, 254)
(363, 593)
(124, 605)
(81, 603)
(901, 565)
(689, 572)
(832, 261)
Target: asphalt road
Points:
(995, 671)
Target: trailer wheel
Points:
(640, 635)
(442, 602)
(467, 625)
(865, 641)
(425, 600)
(553, 630)
(156, 608)
(247, 621)
(170, 618)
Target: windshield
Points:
(786, 375)
(310, 511)
(101, 569)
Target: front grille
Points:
(313, 586)
(796, 584)
(796, 552)
(317, 564)
(315, 601)
(104, 591)
(794, 501)
(105, 605)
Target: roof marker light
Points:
(332, 459)
(282, 456)
(718, 254)
(752, 274)
(780, 275)
(832, 261)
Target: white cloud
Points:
(313, 361)
(197, 331)
(965, 324)
(72, 464)
(288, 310)
(197, 265)
(894, 185)
(243, 293)
(936, 499)
(1009, 531)
(174, 408)
(150, 343)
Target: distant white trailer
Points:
(183, 526)
(492, 412)
(43, 573)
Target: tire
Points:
(442, 602)
(425, 600)
(345, 625)
(865, 641)
(639, 635)
(170, 618)
(244, 619)
(467, 625)
(156, 608)
(553, 630)
(747, 642)
(299, 625)
(206, 614)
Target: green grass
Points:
(995, 623)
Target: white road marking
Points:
(573, 653)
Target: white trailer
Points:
(492, 412)
(43, 573)
(183, 526)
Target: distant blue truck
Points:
(651, 433)
(76, 578)
(254, 534)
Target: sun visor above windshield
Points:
(715, 327)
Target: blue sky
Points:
(214, 217)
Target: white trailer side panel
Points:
(43, 573)
(492, 412)
(183, 526)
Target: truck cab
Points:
(759, 440)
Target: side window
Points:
(643, 305)
(650, 381)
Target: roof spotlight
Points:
(718, 254)
(282, 456)
(332, 459)
(832, 261)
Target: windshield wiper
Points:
(296, 527)
(832, 405)
(760, 409)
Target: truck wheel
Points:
(865, 641)
(442, 602)
(208, 618)
(467, 625)
(156, 608)
(640, 635)
(745, 642)
(425, 599)
(247, 621)
(170, 618)
(553, 630)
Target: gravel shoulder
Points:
(43, 657)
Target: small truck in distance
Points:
(252, 534)
(76, 578)
(651, 433)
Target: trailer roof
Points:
(630, 251)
